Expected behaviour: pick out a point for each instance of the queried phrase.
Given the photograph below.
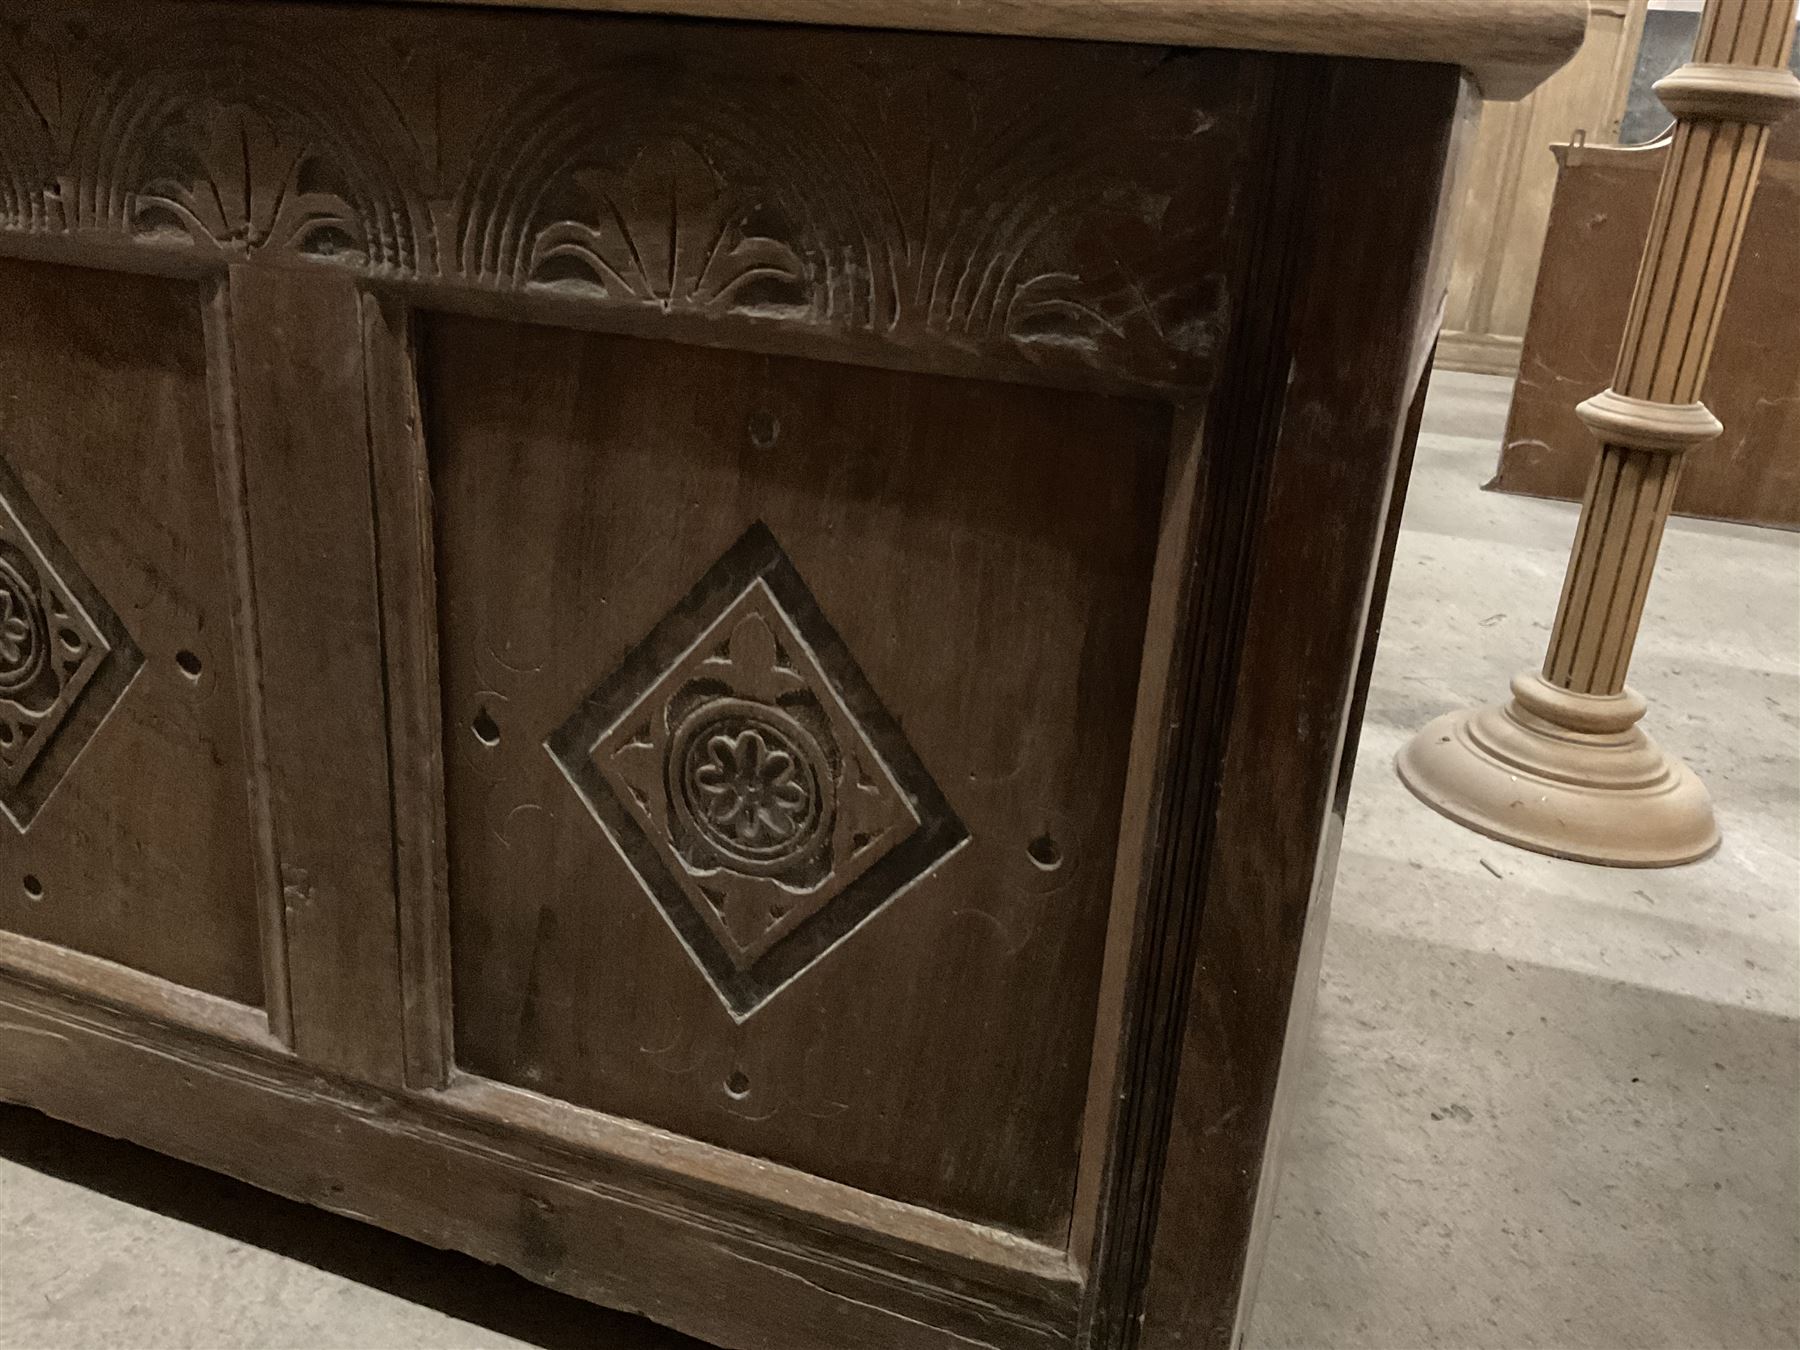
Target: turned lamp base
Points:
(1571, 775)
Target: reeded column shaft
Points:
(1724, 101)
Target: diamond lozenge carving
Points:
(65, 658)
(741, 764)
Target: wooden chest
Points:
(715, 660)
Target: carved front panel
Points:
(124, 782)
(786, 709)
(741, 764)
(938, 200)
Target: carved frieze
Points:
(956, 198)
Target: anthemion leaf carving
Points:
(703, 172)
(230, 140)
(240, 142)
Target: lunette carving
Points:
(981, 209)
(232, 140)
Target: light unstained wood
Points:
(1563, 767)
(985, 554)
(1509, 45)
(1509, 180)
(1602, 218)
(1481, 353)
(296, 348)
(1702, 210)
(143, 850)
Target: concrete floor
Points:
(1549, 1104)
(1545, 1105)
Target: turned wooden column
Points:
(1563, 767)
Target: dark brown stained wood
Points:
(983, 553)
(408, 584)
(1103, 1149)
(297, 357)
(228, 468)
(751, 1193)
(600, 1231)
(133, 783)
(1311, 564)
(497, 1304)
(1508, 45)
(1604, 196)
(1384, 573)
(131, 991)
(1204, 633)
(780, 617)
(1047, 209)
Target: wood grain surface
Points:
(984, 553)
(1509, 45)
(1044, 209)
(296, 352)
(139, 847)
(1597, 231)
(739, 1276)
(1315, 544)
(797, 595)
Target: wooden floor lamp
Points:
(1563, 767)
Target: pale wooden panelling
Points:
(1511, 177)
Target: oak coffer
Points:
(711, 654)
